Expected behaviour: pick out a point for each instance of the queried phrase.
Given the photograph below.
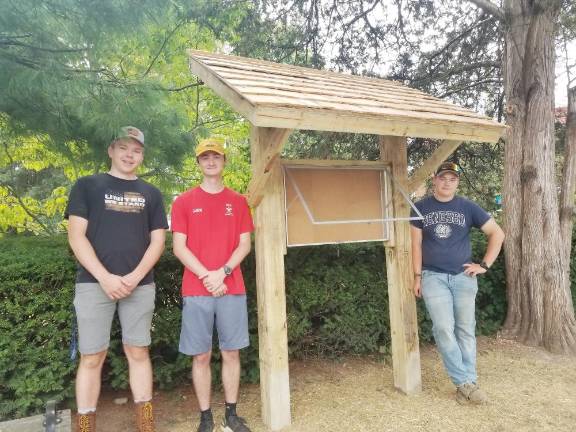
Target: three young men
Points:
(212, 226)
(445, 276)
(116, 229)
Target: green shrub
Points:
(336, 300)
(337, 303)
(36, 277)
(491, 299)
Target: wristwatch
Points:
(484, 265)
(227, 270)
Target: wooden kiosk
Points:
(277, 98)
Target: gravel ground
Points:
(529, 390)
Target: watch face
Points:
(227, 270)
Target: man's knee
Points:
(202, 359)
(93, 361)
(444, 330)
(136, 353)
(230, 356)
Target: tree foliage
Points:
(73, 72)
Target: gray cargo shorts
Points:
(200, 313)
(95, 312)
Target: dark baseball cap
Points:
(448, 167)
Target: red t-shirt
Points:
(213, 224)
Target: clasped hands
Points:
(214, 282)
(117, 287)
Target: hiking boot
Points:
(234, 423)
(144, 417)
(470, 393)
(86, 422)
(206, 425)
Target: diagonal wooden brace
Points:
(276, 138)
(431, 164)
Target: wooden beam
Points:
(261, 168)
(334, 163)
(270, 231)
(308, 118)
(402, 303)
(431, 164)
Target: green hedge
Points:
(336, 302)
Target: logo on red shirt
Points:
(228, 210)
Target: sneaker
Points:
(470, 393)
(234, 424)
(206, 425)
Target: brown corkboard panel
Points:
(335, 205)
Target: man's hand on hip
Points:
(473, 269)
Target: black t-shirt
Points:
(121, 214)
(445, 232)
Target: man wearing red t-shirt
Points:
(212, 226)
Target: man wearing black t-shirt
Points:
(445, 276)
(116, 229)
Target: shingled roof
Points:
(284, 96)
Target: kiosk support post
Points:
(270, 234)
(402, 303)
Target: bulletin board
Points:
(329, 204)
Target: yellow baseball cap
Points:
(211, 144)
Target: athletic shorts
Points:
(95, 312)
(200, 313)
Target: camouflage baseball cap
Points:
(131, 132)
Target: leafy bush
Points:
(337, 303)
(491, 299)
(36, 277)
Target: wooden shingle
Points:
(284, 96)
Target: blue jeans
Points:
(451, 301)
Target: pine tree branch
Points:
(489, 7)
(166, 39)
(177, 89)
(18, 60)
(459, 36)
(362, 15)
(458, 70)
(24, 36)
(474, 84)
(11, 42)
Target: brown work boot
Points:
(86, 422)
(470, 393)
(144, 417)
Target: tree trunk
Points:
(539, 307)
(568, 182)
